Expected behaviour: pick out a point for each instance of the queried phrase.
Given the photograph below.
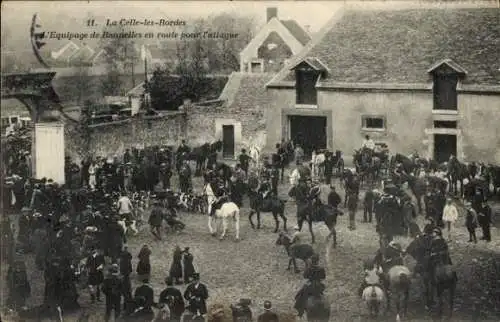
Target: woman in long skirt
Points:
(144, 265)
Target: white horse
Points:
(318, 162)
(226, 211)
(254, 152)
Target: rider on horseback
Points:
(439, 251)
(313, 287)
(373, 277)
(220, 193)
(387, 257)
(265, 187)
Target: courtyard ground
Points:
(255, 267)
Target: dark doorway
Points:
(444, 146)
(228, 141)
(309, 132)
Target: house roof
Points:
(84, 54)
(251, 93)
(139, 89)
(68, 50)
(400, 46)
(313, 62)
(297, 31)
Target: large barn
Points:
(425, 80)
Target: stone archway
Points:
(35, 91)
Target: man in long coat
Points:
(177, 306)
(197, 294)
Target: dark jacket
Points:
(112, 287)
(147, 292)
(178, 306)
(334, 199)
(125, 263)
(199, 292)
(268, 316)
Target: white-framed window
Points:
(373, 123)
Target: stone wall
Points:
(409, 121)
(113, 138)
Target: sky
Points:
(312, 13)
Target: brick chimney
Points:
(272, 12)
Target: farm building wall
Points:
(409, 121)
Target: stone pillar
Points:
(49, 151)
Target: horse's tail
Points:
(404, 280)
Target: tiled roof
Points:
(252, 93)
(297, 31)
(400, 46)
(231, 87)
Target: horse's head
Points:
(217, 146)
(283, 239)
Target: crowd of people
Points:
(71, 231)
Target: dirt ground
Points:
(255, 267)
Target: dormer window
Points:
(305, 87)
(307, 74)
(445, 77)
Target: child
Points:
(471, 222)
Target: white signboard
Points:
(49, 151)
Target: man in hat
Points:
(301, 199)
(165, 174)
(112, 288)
(484, 220)
(95, 266)
(244, 161)
(182, 151)
(334, 199)
(127, 156)
(155, 219)
(197, 294)
(471, 221)
(314, 275)
(439, 251)
(173, 298)
(125, 271)
(268, 315)
(145, 291)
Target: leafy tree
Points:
(120, 56)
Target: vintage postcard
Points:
(250, 161)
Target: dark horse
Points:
(201, 153)
(317, 308)
(270, 204)
(301, 251)
(315, 211)
(408, 165)
(436, 275)
(457, 172)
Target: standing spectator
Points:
(268, 315)
(182, 152)
(93, 175)
(188, 266)
(95, 265)
(471, 222)
(368, 143)
(184, 177)
(328, 168)
(112, 288)
(334, 199)
(145, 291)
(18, 286)
(127, 156)
(197, 294)
(450, 215)
(176, 267)
(166, 174)
(352, 204)
(125, 271)
(484, 219)
(244, 161)
(143, 269)
(298, 154)
(155, 220)
(173, 297)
